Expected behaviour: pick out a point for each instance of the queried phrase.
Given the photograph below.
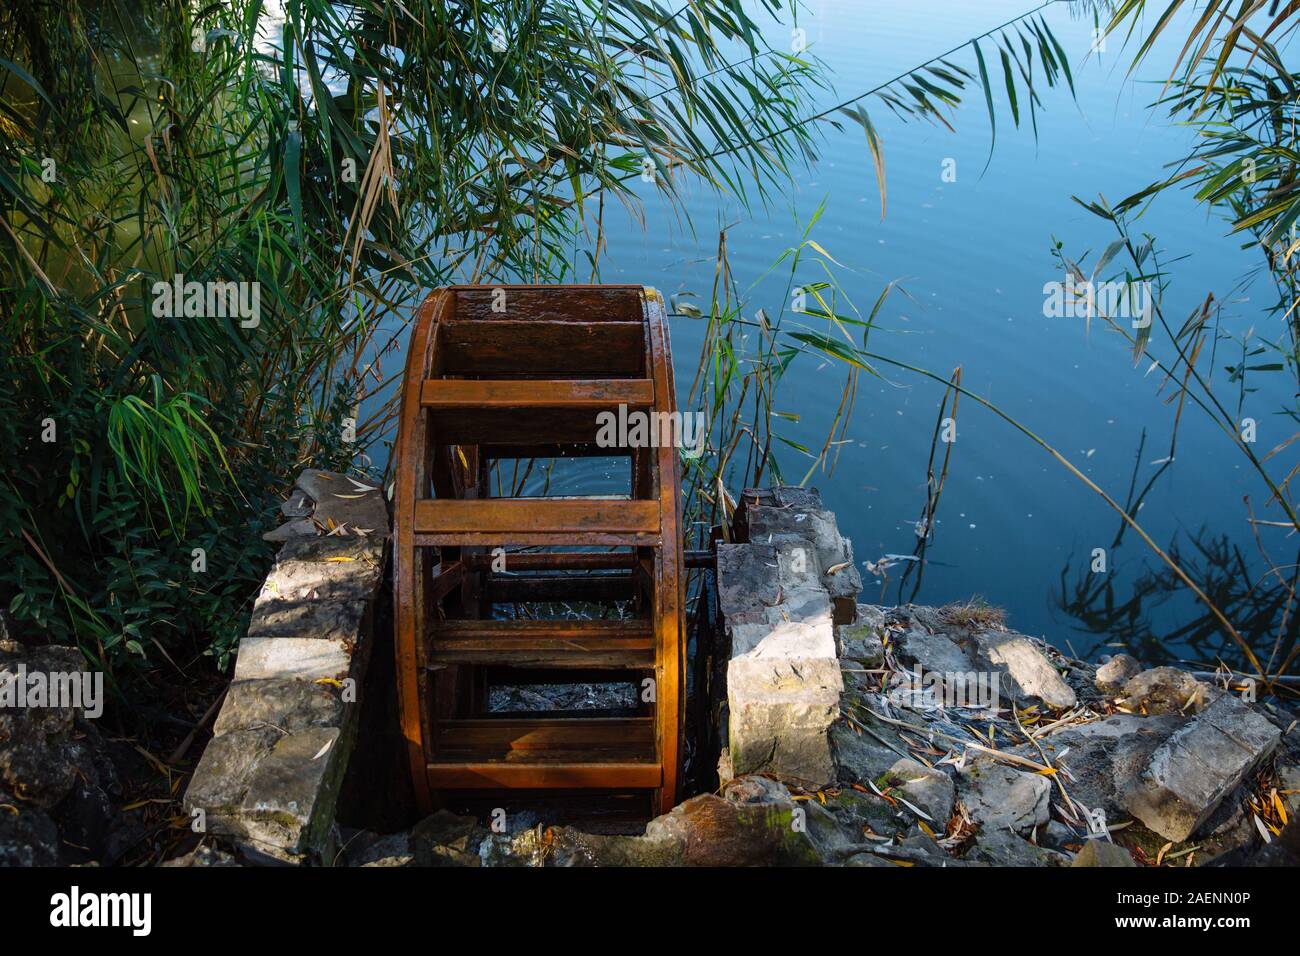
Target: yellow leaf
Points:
(1280, 807)
(340, 559)
(463, 460)
(928, 831)
(135, 806)
(332, 682)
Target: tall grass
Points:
(343, 160)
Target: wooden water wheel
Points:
(498, 375)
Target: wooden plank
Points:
(543, 349)
(577, 629)
(412, 602)
(496, 738)
(558, 560)
(669, 576)
(622, 643)
(549, 303)
(539, 516)
(452, 775)
(626, 653)
(529, 393)
(524, 588)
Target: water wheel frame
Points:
(460, 358)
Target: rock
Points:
(1105, 755)
(289, 803)
(1004, 848)
(934, 653)
(38, 756)
(860, 643)
(748, 581)
(999, 797)
(1099, 852)
(297, 528)
(1288, 786)
(298, 505)
(203, 856)
(446, 839)
(1116, 672)
(704, 831)
(59, 792)
(344, 504)
(1033, 674)
(829, 555)
(1164, 690)
(859, 814)
(783, 689)
(288, 705)
(930, 790)
(916, 850)
(394, 849)
(755, 789)
(858, 753)
(1200, 764)
(273, 792)
(333, 621)
(325, 569)
(289, 659)
(28, 836)
(1228, 828)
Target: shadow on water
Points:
(1115, 612)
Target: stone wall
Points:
(269, 780)
(782, 588)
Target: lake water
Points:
(1014, 527)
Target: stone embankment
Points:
(843, 733)
(269, 781)
(857, 735)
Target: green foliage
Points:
(342, 161)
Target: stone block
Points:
(1000, 797)
(1032, 674)
(1201, 763)
(288, 807)
(748, 582)
(285, 704)
(1116, 672)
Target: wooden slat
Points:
(623, 643)
(523, 588)
(507, 518)
(550, 304)
(624, 653)
(669, 576)
(476, 775)
(558, 560)
(539, 393)
(536, 349)
(496, 738)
